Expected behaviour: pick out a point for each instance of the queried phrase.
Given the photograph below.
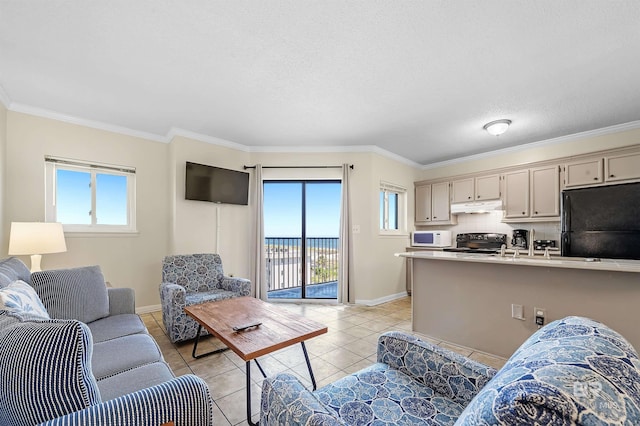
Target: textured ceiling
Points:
(416, 78)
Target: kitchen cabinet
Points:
(462, 190)
(440, 203)
(580, 173)
(622, 167)
(433, 204)
(516, 194)
(532, 194)
(476, 189)
(545, 191)
(423, 203)
(487, 188)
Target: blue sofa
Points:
(73, 352)
(574, 371)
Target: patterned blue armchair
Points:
(191, 279)
(413, 382)
(574, 371)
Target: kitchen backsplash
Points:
(491, 222)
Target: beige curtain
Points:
(345, 292)
(259, 279)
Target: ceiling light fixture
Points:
(497, 127)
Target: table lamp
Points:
(36, 239)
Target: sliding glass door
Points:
(302, 224)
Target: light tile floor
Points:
(349, 346)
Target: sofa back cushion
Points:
(76, 293)
(45, 369)
(20, 297)
(195, 272)
(572, 371)
(12, 269)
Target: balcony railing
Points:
(285, 266)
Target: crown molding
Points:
(4, 98)
(175, 131)
(45, 113)
(632, 125)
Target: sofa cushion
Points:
(12, 269)
(134, 380)
(76, 293)
(20, 297)
(383, 395)
(45, 366)
(116, 326)
(573, 371)
(124, 353)
(208, 296)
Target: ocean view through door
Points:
(301, 228)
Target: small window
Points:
(89, 197)
(392, 208)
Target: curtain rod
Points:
(298, 167)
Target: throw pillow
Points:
(76, 293)
(20, 297)
(45, 366)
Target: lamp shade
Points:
(36, 238)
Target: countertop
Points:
(618, 265)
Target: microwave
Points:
(431, 238)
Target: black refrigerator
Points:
(601, 222)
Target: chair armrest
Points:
(448, 373)
(172, 294)
(184, 400)
(242, 286)
(285, 401)
(121, 301)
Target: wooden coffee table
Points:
(277, 329)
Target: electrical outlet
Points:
(517, 312)
(355, 229)
(539, 315)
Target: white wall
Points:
(126, 260)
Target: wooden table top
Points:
(279, 329)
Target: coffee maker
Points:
(519, 238)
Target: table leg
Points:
(195, 346)
(306, 358)
(248, 366)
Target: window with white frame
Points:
(392, 208)
(90, 197)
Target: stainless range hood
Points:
(476, 207)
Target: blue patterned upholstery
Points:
(413, 382)
(192, 279)
(573, 371)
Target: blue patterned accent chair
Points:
(189, 280)
(574, 371)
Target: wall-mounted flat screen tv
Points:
(215, 184)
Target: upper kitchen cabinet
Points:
(423, 204)
(582, 173)
(476, 189)
(532, 195)
(433, 205)
(622, 167)
(516, 194)
(545, 192)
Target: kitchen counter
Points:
(467, 298)
(555, 261)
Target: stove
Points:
(479, 242)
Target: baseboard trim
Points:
(381, 300)
(148, 309)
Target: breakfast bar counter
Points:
(467, 298)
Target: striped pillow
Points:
(20, 297)
(45, 366)
(76, 293)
